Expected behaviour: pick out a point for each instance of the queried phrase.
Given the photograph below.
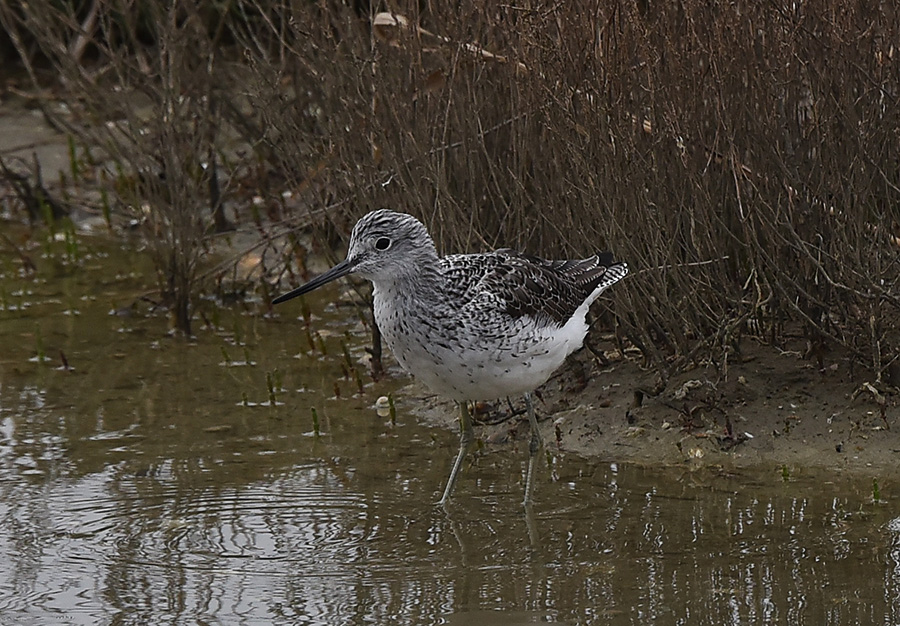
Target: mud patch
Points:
(772, 408)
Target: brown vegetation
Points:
(742, 157)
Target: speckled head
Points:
(385, 246)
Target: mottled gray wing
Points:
(546, 290)
(465, 273)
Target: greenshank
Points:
(472, 326)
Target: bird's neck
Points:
(411, 292)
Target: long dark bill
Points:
(341, 269)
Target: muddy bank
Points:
(774, 408)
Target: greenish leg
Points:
(466, 437)
(533, 449)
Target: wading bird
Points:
(472, 326)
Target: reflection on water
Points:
(138, 489)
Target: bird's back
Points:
(549, 291)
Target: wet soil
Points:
(772, 408)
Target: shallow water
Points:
(153, 482)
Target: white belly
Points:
(466, 363)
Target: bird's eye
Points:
(382, 243)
